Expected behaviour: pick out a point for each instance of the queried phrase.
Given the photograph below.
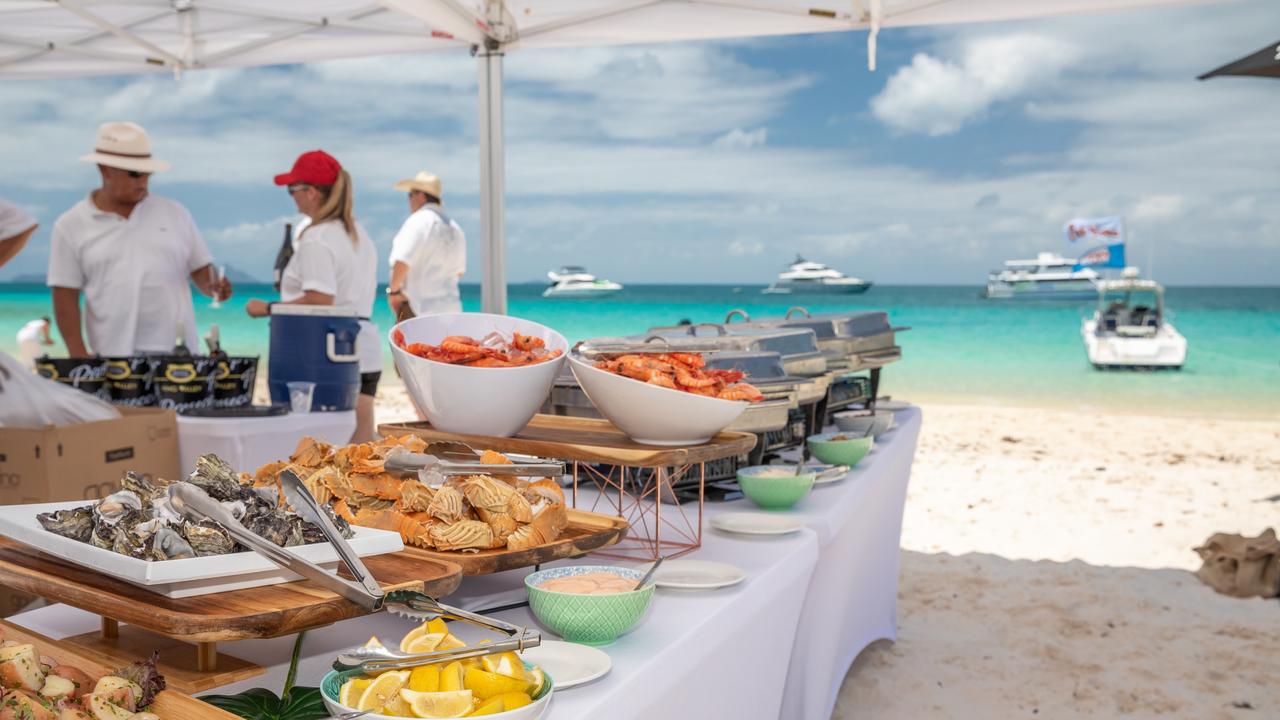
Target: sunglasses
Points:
(135, 174)
(297, 188)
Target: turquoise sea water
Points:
(960, 347)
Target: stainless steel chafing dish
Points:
(866, 338)
(798, 347)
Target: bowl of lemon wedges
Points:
(500, 686)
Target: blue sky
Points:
(717, 162)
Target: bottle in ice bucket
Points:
(317, 344)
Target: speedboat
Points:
(573, 281)
(1130, 328)
(1049, 277)
(806, 276)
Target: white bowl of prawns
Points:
(487, 397)
(664, 399)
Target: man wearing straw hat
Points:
(131, 253)
(428, 255)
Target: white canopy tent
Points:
(68, 38)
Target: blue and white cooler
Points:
(315, 343)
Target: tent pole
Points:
(493, 231)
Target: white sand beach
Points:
(1046, 559)
(1045, 571)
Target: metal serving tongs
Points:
(402, 461)
(653, 344)
(194, 503)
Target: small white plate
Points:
(567, 663)
(697, 575)
(750, 523)
(829, 474)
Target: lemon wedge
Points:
(513, 700)
(451, 704)
(537, 679)
(420, 643)
(451, 677)
(507, 663)
(487, 685)
(381, 689)
(436, 626)
(425, 678)
(492, 707)
(450, 643)
(351, 690)
(398, 707)
(374, 642)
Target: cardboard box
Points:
(85, 461)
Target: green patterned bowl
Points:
(774, 493)
(587, 619)
(833, 451)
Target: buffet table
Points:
(253, 442)
(776, 646)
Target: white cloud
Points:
(740, 139)
(266, 232)
(938, 97)
(740, 248)
(1157, 208)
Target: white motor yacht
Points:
(573, 281)
(806, 276)
(1049, 277)
(1130, 329)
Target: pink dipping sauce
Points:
(596, 583)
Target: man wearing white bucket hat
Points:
(428, 255)
(131, 254)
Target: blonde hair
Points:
(339, 204)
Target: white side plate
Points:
(569, 664)
(747, 523)
(187, 577)
(697, 575)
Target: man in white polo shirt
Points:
(428, 255)
(131, 254)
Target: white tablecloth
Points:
(776, 646)
(249, 443)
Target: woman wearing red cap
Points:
(334, 263)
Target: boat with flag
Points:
(1051, 276)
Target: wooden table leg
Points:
(207, 656)
(110, 628)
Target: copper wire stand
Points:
(631, 479)
(653, 533)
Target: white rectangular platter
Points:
(187, 577)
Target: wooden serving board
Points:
(169, 704)
(261, 612)
(588, 440)
(587, 531)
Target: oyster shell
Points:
(115, 506)
(208, 538)
(168, 544)
(215, 476)
(145, 488)
(75, 523)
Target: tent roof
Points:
(1264, 63)
(62, 38)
